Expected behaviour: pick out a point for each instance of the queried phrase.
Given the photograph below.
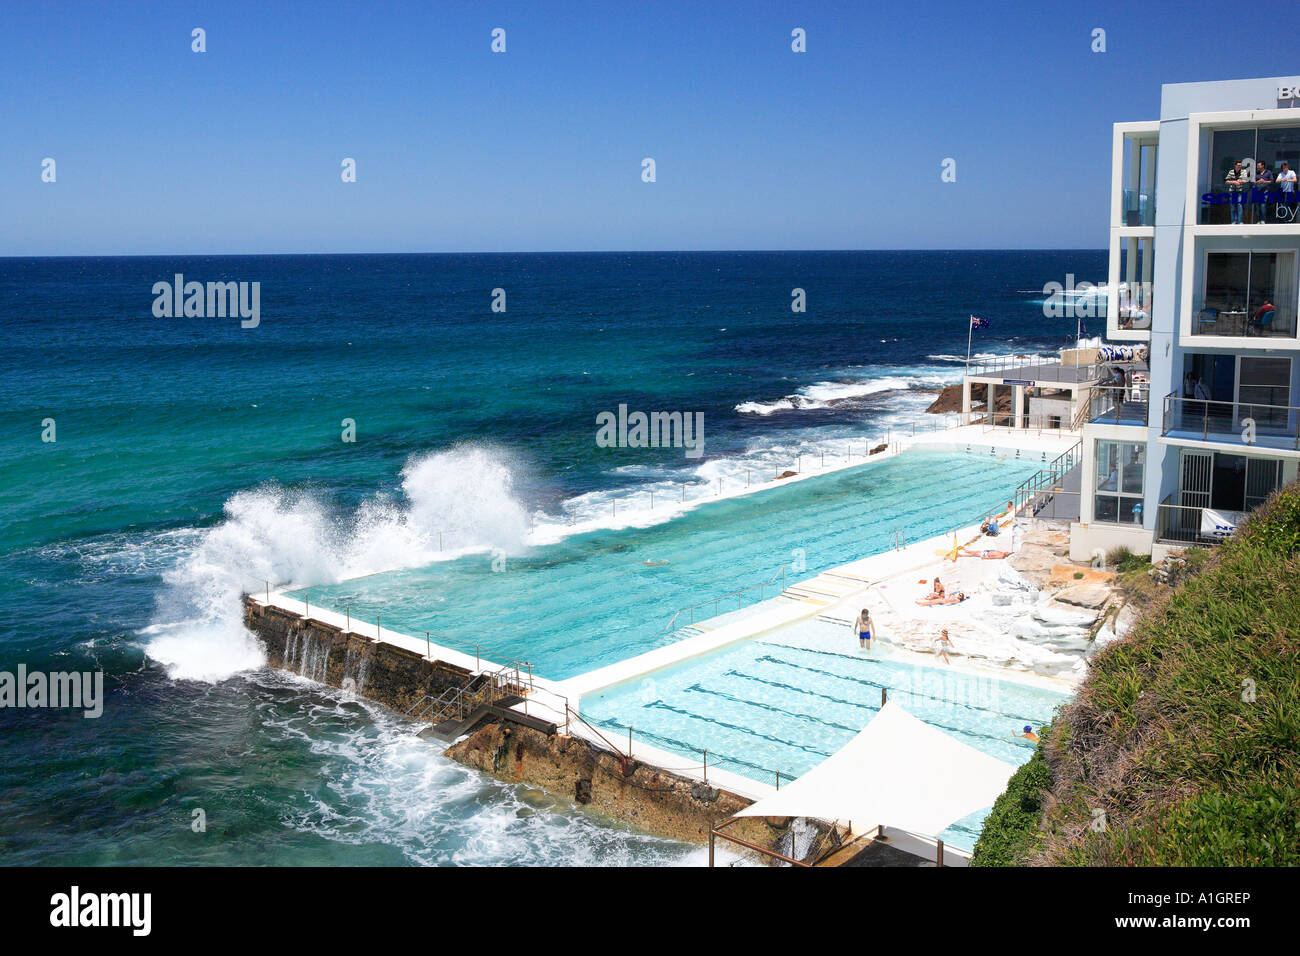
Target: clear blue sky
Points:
(160, 150)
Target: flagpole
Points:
(970, 330)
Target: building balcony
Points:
(1245, 316)
(1246, 424)
(1119, 405)
(1180, 524)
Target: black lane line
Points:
(699, 689)
(692, 749)
(901, 690)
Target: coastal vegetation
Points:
(1182, 747)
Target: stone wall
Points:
(645, 797)
(382, 672)
(649, 799)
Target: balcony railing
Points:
(1038, 368)
(1241, 317)
(1119, 404)
(1238, 423)
(1139, 208)
(1179, 524)
(1260, 204)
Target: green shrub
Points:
(1187, 732)
(1011, 828)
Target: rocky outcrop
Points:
(949, 400)
(646, 797)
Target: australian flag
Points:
(976, 323)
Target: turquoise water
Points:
(787, 700)
(592, 599)
(195, 459)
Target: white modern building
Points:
(1204, 270)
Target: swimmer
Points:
(864, 629)
(1029, 734)
(654, 564)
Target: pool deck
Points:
(554, 700)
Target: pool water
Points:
(592, 599)
(786, 700)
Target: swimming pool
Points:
(597, 598)
(786, 700)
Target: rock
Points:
(1084, 594)
(877, 450)
(949, 400)
(786, 474)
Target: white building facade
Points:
(1204, 269)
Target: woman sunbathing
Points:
(986, 555)
(955, 598)
(936, 590)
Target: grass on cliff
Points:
(1182, 747)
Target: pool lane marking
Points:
(891, 687)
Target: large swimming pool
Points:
(785, 701)
(597, 598)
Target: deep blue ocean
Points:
(194, 458)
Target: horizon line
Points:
(548, 252)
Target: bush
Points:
(1010, 829)
(1186, 733)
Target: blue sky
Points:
(161, 150)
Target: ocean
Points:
(194, 458)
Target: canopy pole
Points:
(938, 860)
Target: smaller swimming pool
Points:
(787, 700)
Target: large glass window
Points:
(1120, 474)
(1136, 262)
(1139, 180)
(1254, 195)
(1248, 293)
(1264, 391)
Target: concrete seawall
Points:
(323, 652)
(649, 798)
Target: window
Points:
(1270, 145)
(1247, 294)
(1120, 474)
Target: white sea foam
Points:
(274, 537)
(821, 395)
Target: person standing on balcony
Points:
(1236, 179)
(1286, 180)
(1264, 183)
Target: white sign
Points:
(1219, 524)
(1289, 92)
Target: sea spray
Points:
(453, 501)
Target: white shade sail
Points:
(898, 772)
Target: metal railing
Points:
(717, 602)
(1241, 319)
(1044, 368)
(1119, 404)
(1181, 524)
(1047, 481)
(1244, 423)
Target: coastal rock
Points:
(786, 474)
(1089, 594)
(949, 400)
